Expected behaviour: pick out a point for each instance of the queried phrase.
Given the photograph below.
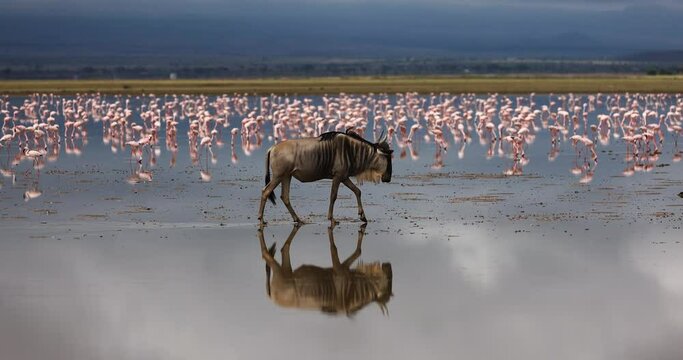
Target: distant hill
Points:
(275, 38)
(372, 30)
(662, 56)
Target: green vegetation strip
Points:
(332, 85)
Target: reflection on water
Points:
(339, 289)
(644, 126)
(167, 265)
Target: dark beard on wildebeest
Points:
(333, 155)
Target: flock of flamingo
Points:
(39, 126)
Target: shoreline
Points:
(357, 85)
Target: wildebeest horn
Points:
(382, 137)
(383, 307)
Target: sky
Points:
(340, 28)
(214, 7)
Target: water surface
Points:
(99, 262)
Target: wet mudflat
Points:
(99, 262)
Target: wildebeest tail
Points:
(271, 251)
(272, 193)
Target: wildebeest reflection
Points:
(336, 290)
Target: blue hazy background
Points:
(208, 32)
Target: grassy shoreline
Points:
(332, 85)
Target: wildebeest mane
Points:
(332, 134)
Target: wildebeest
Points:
(333, 155)
(336, 290)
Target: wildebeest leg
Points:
(333, 249)
(286, 181)
(267, 255)
(265, 252)
(333, 198)
(264, 196)
(356, 191)
(361, 233)
(286, 264)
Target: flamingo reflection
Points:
(40, 125)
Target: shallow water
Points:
(103, 264)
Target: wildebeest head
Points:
(374, 160)
(383, 160)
